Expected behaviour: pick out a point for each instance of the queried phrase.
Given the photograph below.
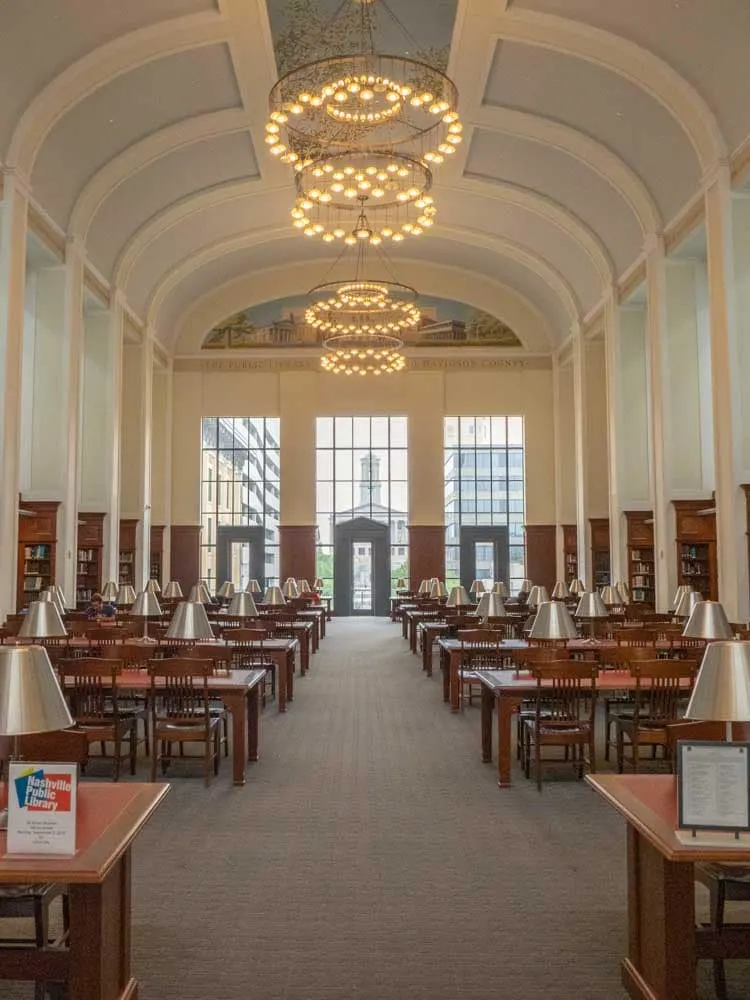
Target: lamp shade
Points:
(125, 596)
(273, 595)
(152, 587)
(623, 590)
(109, 591)
(591, 606)
(457, 596)
(318, 583)
(243, 605)
(253, 587)
(401, 583)
(708, 620)
(611, 597)
(30, 697)
(199, 592)
(290, 588)
(576, 587)
(189, 621)
(722, 687)
(491, 606)
(42, 621)
(524, 587)
(684, 588)
(500, 588)
(537, 595)
(477, 587)
(173, 591)
(226, 589)
(146, 605)
(424, 587)
(49, 594)
(61, 597)
(553, 621)
(438, 589)
(560, 591)
(303, 586)
(205, 593)
(687, 603)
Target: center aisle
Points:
(372, 856)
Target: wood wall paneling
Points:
(426, 553)
(541, 557)
(695, 528)
(186, 555)
(297, 551)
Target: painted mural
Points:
(281, 323)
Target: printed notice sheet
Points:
(42, 808)
(713, 786)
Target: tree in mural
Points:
(483, 326)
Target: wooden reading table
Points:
(664, 943)
(96, 966)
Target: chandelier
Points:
(364, 130)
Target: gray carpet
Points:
(371, 856)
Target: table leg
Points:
(454, 660)
(445, 669)
(304, 656)
(253, 723)
(282, 676)
(100, 937)
(488, 708)
(235, 704)
(506, 706)
(404, 625)
(661, 925)
(427, 653)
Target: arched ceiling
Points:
(139, 129)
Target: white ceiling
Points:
(139, 127)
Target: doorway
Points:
(361, 568)
(483, 554)
(240, 555)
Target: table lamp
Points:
(477, 588)
(537, 595)
(401, 584)
(253, 587)
(290, 587)
(438, 589)
(560, 592)
(611, 597)
(125, 596)
(577, 588)
(243, 606)
(173, 591)
(500, 588)
(109, 592)
(591, 606)
(684, 588)
(722, 688)
(42, 621)
(50, 594)
(146, 605)
(274, 596)
(189, 621)
(524, 589)
(152, 587)
(303, 586)
(226, 590)
(59, 591)
(491, 606)
(199, 593)
(553, 621)
(457, 596)
(623, 590)
(318, 583)
(708, 620)
(30, 697)
(685, 606)
(424, 587)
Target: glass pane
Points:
(399, 497)
(379, 432)
(324, 501)
(482, 427)
(399, 464)
(324, 432)
(498, 432)
(361, 437)
(515, 430)
(210, 432)
(343, 464)
(344, 499)
(362, 576)
(325, 465)
(468, 437)
(325, 529)
(451, 432)
(343, 427)
(398, 432)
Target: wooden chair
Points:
(33, 901)
(90, 686)
(247, 651)
(564, 717)
(180, 707)
(660, 689)
(480, 650)
(621, 704)
(633, 636)
(133, 656)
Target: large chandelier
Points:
(364, 130)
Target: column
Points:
(13, 231)
(427, 485)
(618, 570)
(297, 528)
(135, 465)
(579, 415)
(726, 399)
(559, 459)
(161, 459)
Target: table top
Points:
(227, 680)
(110, 816)
(523, 682)
(579, 645)
(649, 803)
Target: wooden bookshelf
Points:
(89, 556)
(640, 545)
(746, 491)
(695, 528)
(157, 552)
(37, 543)
(600, 561)
(127, 552)
(570, 552)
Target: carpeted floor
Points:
(371, 856)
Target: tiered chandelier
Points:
(364, 132)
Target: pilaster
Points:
(614, 437)
(116, 333)
(579, 412)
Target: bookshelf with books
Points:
(127, 552)
(37, 542)
(157, 552)
(695, 528)
(89, 557)
(570, 551)
(600, 562)
(640, 544)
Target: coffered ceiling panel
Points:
(125, 110)
(165, 181)
(706, 41)
(52, 34)
(551, 173)
(604, 106)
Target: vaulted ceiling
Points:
(589, 125)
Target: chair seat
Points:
(24, 890)
(725, 872)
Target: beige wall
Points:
(597, 460)
(566, 442)
(424, 397)
(633, 422)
